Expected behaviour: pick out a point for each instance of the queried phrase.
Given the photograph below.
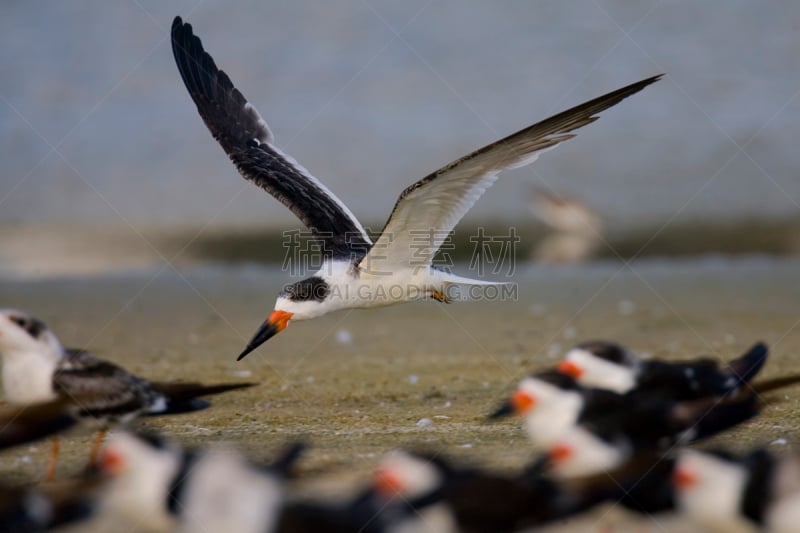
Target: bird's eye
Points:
(302, 291)
(33, 326)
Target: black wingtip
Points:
(747, 366)
(179, 28)
(639, 85)
(289, 457)
(179, 391)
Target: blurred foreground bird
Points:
(404, 496)
(607, 365)
(35, 509)
(720, 491)
(586, 430)
(480, 500)
(159, 485)
(37, 368)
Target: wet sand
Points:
(355, 384)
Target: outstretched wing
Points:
(428, 210)
(247, 140)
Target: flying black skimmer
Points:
(37, 368)
(159, 485)
(610, 366)
(357, 273)
(719, 491)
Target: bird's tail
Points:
(769, 385)
(460, 280)
(185, 397)
(739, 407)
(476, 289)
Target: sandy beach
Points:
(356, 384)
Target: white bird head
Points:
(22, 334)
(550, 403)
(31, 353)
(602, 365)
(301, 300)
(405, 475)
(709, 487)
(142, 469)
(579, 453)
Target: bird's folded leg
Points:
(94, 454)
(50, 475)
(440, 296)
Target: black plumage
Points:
(238, 128)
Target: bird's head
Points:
(708, 485)
(545, 390)
(301, 300)
(22, 335)
(579, 452)
(519, 403)
(406, 475)
(602, 365)
(142, 468)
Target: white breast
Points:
(714, 501)
(28, 377)
(784, 516)
(552, 417)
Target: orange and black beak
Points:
(560, 452)
(683, 478)
(519, 403)
(387, 483)
(112, 462)
(276, 323)
(570, 369)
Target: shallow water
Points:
(355, 384)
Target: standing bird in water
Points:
(357, 273)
